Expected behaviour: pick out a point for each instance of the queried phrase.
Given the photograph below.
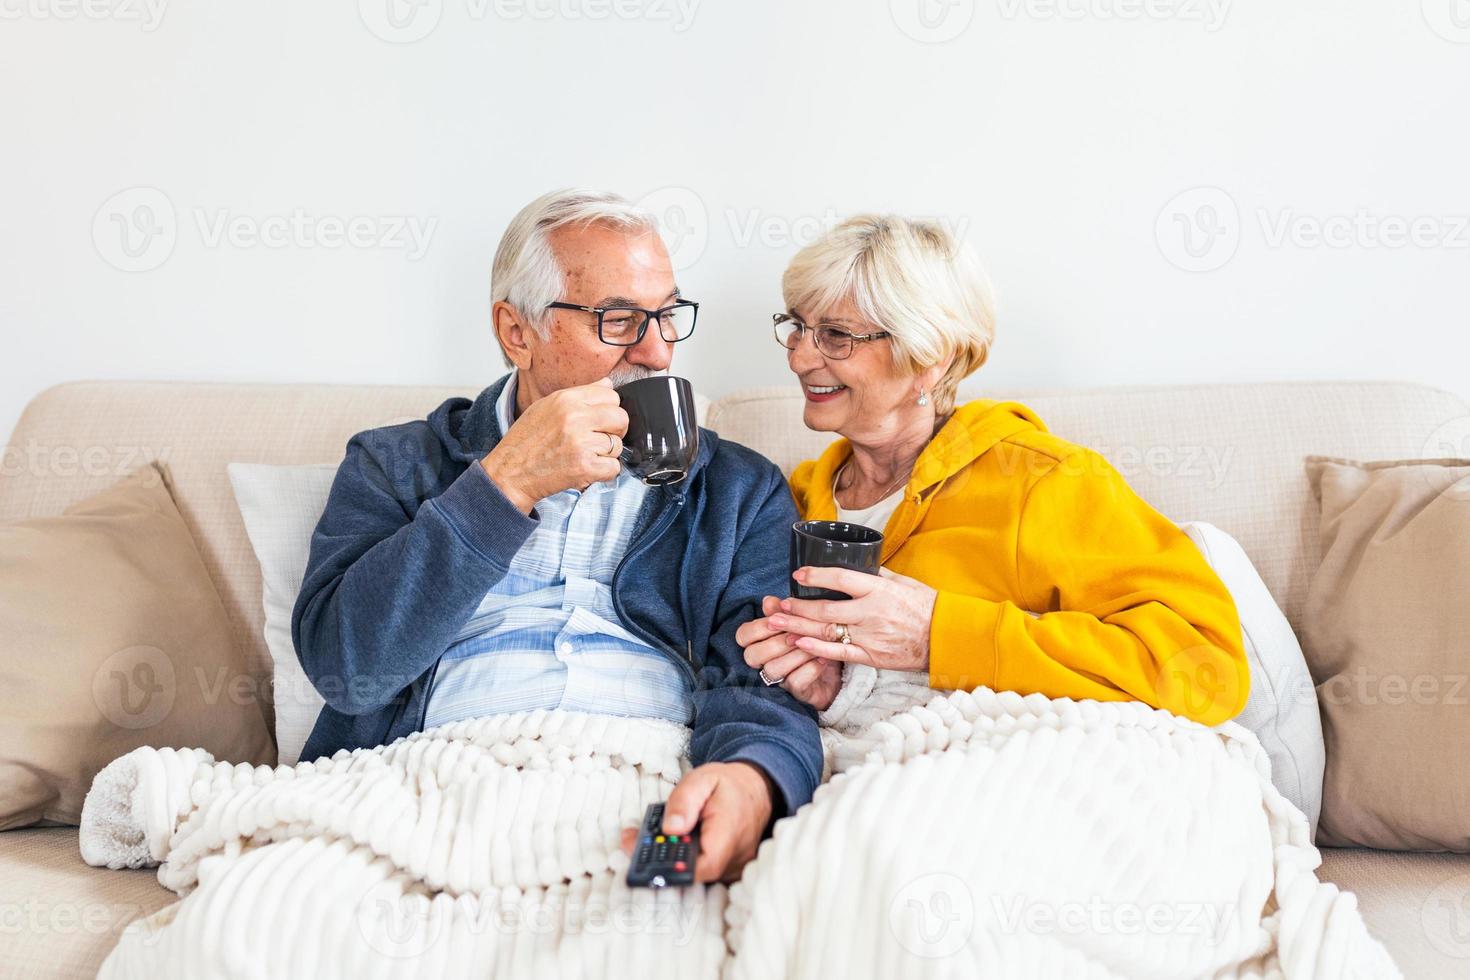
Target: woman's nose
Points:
(804, 356)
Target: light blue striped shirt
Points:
(547, 636)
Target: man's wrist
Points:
(518, 498)
(774, 796)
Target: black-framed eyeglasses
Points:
(624, 326)
(834, 342)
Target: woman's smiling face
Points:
(859, 396)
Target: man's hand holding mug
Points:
(569, 439)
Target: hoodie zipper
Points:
(644, 541)
(428, 686)
(660, 525)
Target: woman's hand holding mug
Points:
(773, 652)
(887, 623)
(887, 618)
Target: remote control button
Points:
(680, 866)
(660, 839)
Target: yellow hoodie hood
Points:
(972, 431)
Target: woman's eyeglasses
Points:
(833, 342)
(624, 326)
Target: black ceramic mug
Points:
(833, 544)
(663, 436)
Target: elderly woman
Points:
(1011, 559)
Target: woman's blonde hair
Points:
(907, 276)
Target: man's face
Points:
(604, 266)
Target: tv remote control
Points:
(662, 860)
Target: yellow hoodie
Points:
(1053, 575)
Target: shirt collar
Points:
(505, 401)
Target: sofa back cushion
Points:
(75, 439)
(1232, 455)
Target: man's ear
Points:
(514, 334)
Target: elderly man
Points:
(495, 557)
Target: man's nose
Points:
(652, 351)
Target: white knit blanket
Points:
(978, 834)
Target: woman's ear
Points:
(930, 377)
(514, 334)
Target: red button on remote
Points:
(680, 866)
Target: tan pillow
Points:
(112, 636)
(1386, 631)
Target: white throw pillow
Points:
(1282, 707)
(281, 505)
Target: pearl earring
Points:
(923, 397)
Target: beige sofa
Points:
(1227, 454)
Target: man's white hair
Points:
(526, 273)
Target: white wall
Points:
(1057, 133)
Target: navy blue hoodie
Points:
(415, 534)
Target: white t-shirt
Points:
(880, 692)
(874, 516)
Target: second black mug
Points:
(833, 544)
